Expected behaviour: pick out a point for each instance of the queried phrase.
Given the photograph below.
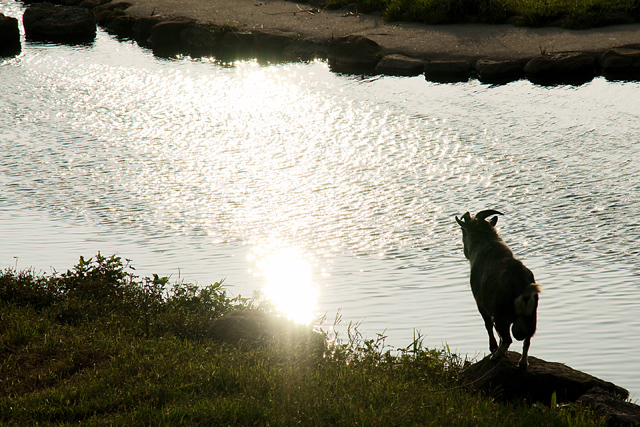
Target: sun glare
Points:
(288, 283)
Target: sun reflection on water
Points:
(288, 282)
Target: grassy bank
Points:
(565, 13)
(99, 346)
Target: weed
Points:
(565, 13)
(99, 346)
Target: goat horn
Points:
(484, 214)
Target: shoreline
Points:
(469, 42)
(280, 30)
(366, 44)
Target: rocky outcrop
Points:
(72, 24)
(271, 44)
(542, 380)
(9, 36)
(141, 29)
(353, 54)
(249, 328)
(447, 71)
(617, 411)
(305, 50)
(91, 4)
(122, 26)
(237, 45)
(503, 71)
(397, 64)
(621, 62)
(106, 13)
(169, 36)
(567, 67)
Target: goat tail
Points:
(527, 302)
(525, 307)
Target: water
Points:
(330, 192)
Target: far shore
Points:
(429, 42)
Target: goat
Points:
(505, 291)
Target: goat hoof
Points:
(494, 357)
(523, 365)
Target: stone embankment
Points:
(350, 53)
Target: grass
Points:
(576, 14)
(99, 346)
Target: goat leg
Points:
(488, 323)
(505, 340)
(523, 363)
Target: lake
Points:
(330, 193)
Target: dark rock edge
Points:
(169, 36)
(551, 383)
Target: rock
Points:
(490, 71)
(253, 328)
(105, 17)
(71, 2)
(9, 30)
(122, 26)
(353, 54)
(568, 67)
(105, 14)
(9, 36)
(621, 62)
(306, 50)
(447, 71)
(400, 65)
(237, 45)
(165, 36)
(616, 411)
(92, 4)
(272, 43)
(200, 40)
(45, 21)
(506, 381)
(30, 2)
(240, 326)
(117, 6)
(141, 29)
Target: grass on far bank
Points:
(99, 346)
(577, 14)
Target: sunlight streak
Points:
(288, 283)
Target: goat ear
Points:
(493, 221)
(465, 219)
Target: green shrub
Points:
(106, 290)
(566, 13)
(25, 288)
(447, 11)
